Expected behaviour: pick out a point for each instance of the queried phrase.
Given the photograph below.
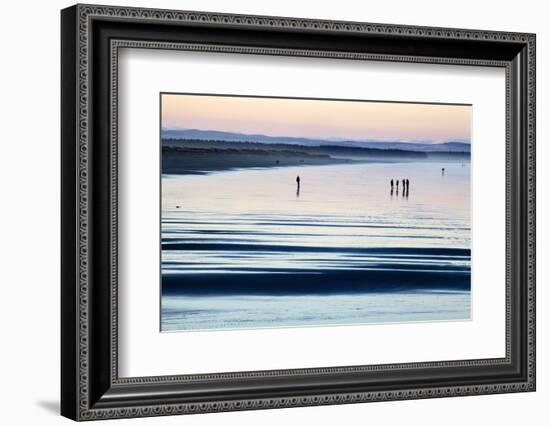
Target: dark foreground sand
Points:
(424, 274)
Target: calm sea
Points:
(244, 249)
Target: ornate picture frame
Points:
(91, 38)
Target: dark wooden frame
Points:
(91, 37)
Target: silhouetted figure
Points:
(403, 183)
(391, 185)
(397, 184)
(443, 171)
(407, 185)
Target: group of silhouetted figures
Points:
(405, 186)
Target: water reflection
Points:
(241, 231)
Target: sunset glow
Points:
(357, 120)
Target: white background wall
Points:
(29, 212)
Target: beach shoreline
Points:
(188, 156)
(245, 249)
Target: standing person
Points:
(297, 186)
(397, 184)
(443, 171)
(391, 185)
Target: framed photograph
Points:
(263, 212)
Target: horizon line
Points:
(327, 138)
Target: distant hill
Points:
(195, 134)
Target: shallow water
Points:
(255, 311)
(242, 249)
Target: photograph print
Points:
(298, 212)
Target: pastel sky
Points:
(405, 122)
